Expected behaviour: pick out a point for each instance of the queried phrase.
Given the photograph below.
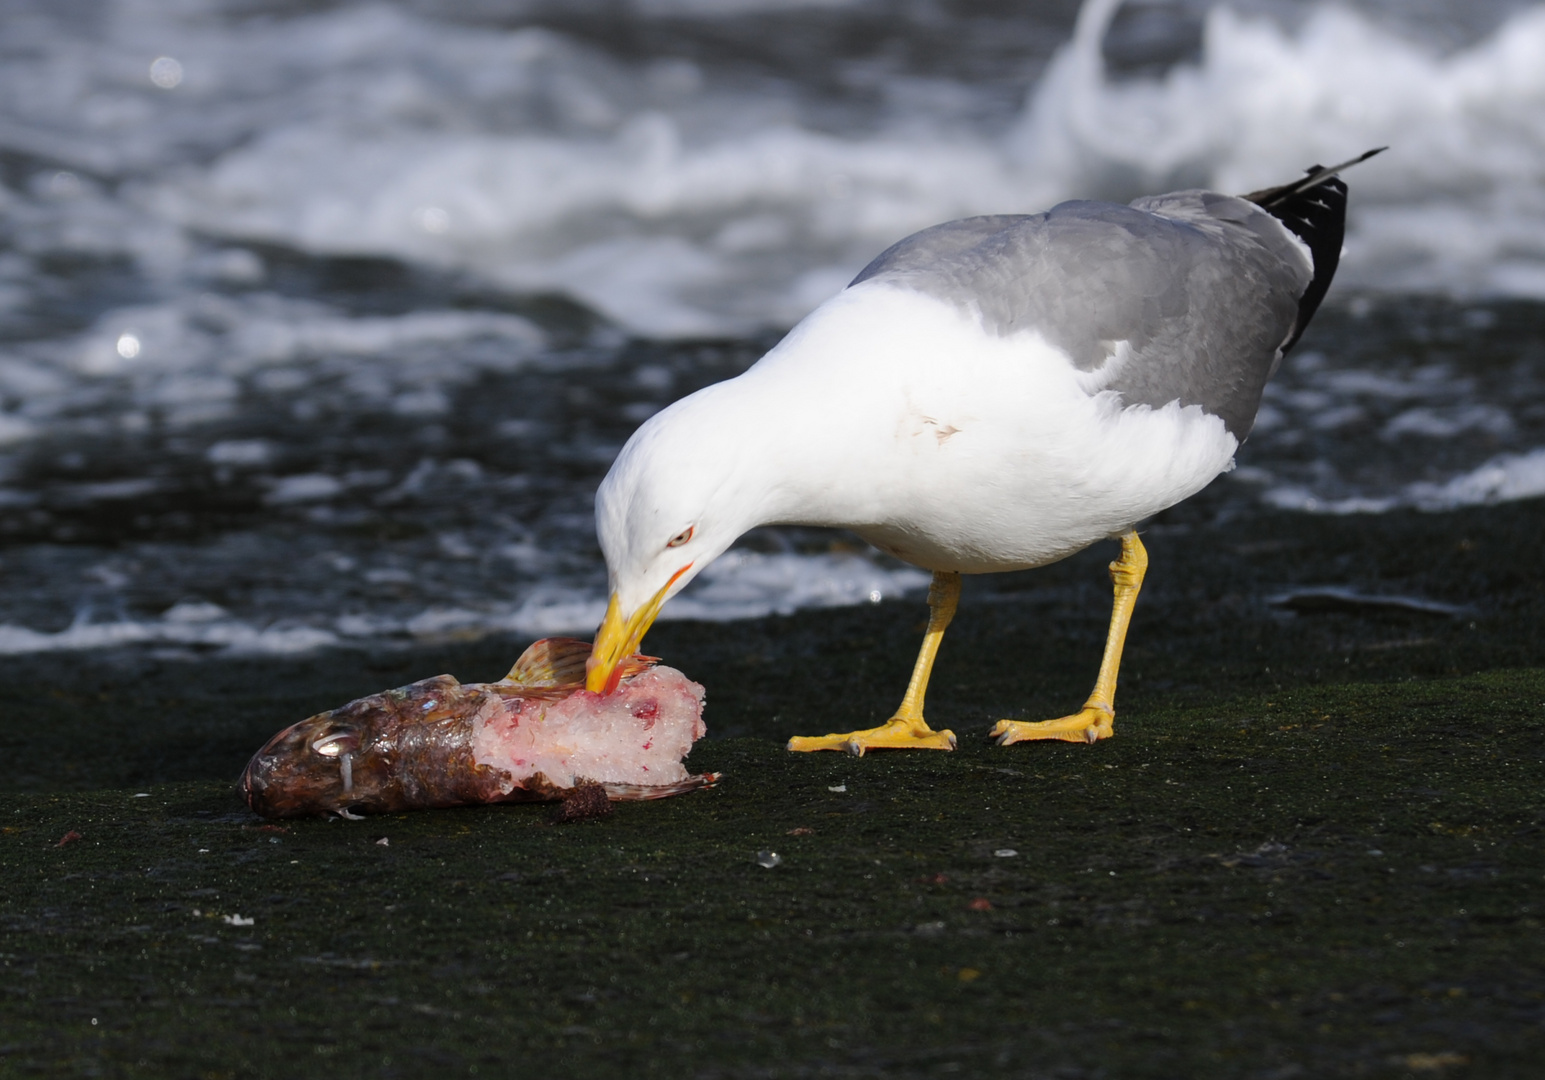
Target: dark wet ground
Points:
(1314, 848)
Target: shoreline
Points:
(1024, 645)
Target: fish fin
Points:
(557, 661)
(640, 792)
(560, 662)
(636, 664)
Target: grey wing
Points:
(926, 253)
(1203, 288)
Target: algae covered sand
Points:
(1314, 848)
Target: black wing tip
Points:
(1314, 209)
(1315, 175)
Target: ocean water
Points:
(319, 323)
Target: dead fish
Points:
(534, 736)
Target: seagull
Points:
(990, 394)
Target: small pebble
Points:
(839, 789)
(1005, 853)
(768, 859)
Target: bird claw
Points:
(897, 734)
(1090, 725)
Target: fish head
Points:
(338, 759)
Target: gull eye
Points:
(682, 537)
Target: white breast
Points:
(900, 418)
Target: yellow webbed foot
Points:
(1091, 724)
(893, 735)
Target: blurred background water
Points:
(319, 322)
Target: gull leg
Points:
(1094, 721)
(907, 730)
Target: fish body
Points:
(535, 735)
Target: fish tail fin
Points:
(636, 664)
(640, 792)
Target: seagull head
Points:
(682, 490)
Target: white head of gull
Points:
(990, 394)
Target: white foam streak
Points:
(746, 584)
(1505, 478)
(207, 630)
(740, 585)
(732, 7)
(195, 353)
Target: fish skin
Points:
(411, 748)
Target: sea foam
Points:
(646, 205)
(1505, 478)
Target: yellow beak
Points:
(619, 638)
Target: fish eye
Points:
(335, 743)
(682, 537)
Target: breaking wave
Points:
(678, 201)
